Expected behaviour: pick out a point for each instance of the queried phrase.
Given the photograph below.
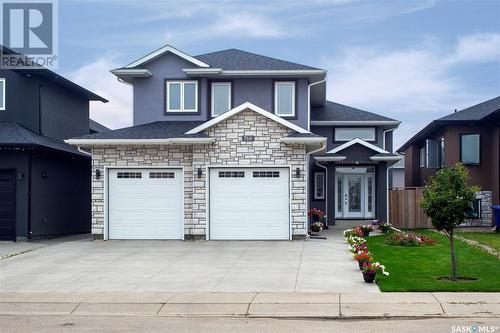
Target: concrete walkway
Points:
(83, 265)
(276, 305)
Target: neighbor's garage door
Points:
(145, 204)
(249, 203)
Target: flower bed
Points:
(408, 239)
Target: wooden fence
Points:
(404, 208)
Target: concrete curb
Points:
(257, 305)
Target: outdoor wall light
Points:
(44, 174)
(97, 174)
(199, 172)
(297, 172)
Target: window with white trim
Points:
(351, 133)
(284, 98)
(182, 96)
(221, 98)
(319, 185)
(2, 94)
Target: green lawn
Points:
(418, 268)
(491, 239)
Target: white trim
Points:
(383, 137)
(258, 72)
(422, 161)
(95, 142)
(287, 83)
(340, 129)
(212, 99)
(361, 142)
(303, 140)
(161, 51)
(182, 83)
(243, 107)
(106, 191)
(316, 196)
(330, 158)
(386, 158)
(250, 166)
(202, 71)
(4, 88)
(354, 122)
(132, 72)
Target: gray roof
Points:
(155, 130)
(97, 127)
(234, 59)
(475, 112)
(480, 112)
(332, 111)
(14, 135)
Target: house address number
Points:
(248, 138)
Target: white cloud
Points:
(96, 77)
(414, 85)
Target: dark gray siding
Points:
(18, 161)
(20, 107)
(61, 200)
(329, 133)
(149, 94)
(64, 114)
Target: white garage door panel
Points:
(249, 207)
(145, 208)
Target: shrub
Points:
(317, 226)
(384, 227)
(408, 239)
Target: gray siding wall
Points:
(64, 114)
(149, 94)
(329, 133)
(20, 107)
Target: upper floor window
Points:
(2, 94)
(350, 133)
(221, 98)
(284, 98)
(422, 157)
(469, 149)
(182, 96)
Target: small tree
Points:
(447, 198)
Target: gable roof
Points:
(234, 59)
(243, 107)
(166, 49)
(337, 114)
(357, 141)
(13, 134)
(480, 112)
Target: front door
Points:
(354, 193)
(353, 196)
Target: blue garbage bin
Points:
(496, 212)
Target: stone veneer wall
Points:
(140, 155)
(266, 150)
(486, 213)
(229, 149)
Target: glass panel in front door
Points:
(354, 194)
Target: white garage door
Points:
(145, 204)
(249, 203)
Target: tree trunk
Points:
(453, 258)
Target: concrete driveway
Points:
(83, 265)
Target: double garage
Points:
(243, 203)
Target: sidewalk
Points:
(256, 305)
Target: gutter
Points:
(97, 142)
(355, 122)
(303, 140)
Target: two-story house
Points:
(234, 145)
(470, 136)
(44, 182)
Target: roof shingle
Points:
(332, 111)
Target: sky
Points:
(412, 60)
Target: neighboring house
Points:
(44, 182)
(471, 137)
(397, 174)
(234, 145)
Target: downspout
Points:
(308, 155)
(387, 175)
(28, 236)
(326, 189)
(309, 102)
(83, 151)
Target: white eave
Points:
(161, 51)
(133, 72)
(358, 141)
(386, 158)
(172, 141)
(222, 72)
(355, 122)
(329, 158)
(243, 107)
(303, 140)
